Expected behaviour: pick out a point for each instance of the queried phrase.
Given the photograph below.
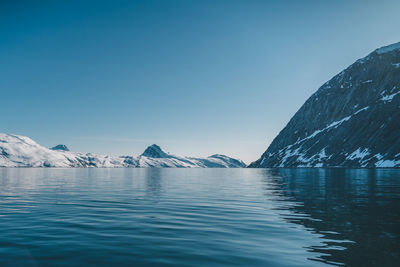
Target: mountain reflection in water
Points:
(355, 211)
(199, 217)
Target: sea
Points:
(199, 217)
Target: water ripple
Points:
(125, 217)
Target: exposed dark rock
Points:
(60, 147)
(353, 120)
(154, 151)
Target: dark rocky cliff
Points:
(353, 120)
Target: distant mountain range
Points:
(353, 120)
(21, 151)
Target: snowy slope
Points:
(353, 120)
(154, 156)
(21, 151)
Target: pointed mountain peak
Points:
(154, 151)
(60, 148)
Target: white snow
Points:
(386, 163)
(358, 154)
(21, 151)
(334, 124)
(288, 152)
(322, 154)
(389, 98)
(313, 161)
(388, 48)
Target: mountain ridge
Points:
(353, 120)
(21, 151)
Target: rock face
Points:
(154, 151)
(21, 151)
(353, 120)
(60, 147)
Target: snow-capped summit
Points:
(388, 48)
(21, 151)
(154, 151)
(60, 147)
(353, 120)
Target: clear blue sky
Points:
(195, 77)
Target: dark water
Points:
(199, 217)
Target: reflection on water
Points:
(154, 182)
(356, 212)
(251, 217)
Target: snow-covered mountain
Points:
(21, 151)
(353, 120)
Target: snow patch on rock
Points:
(388, 48)
(388, 98)
(358, 154)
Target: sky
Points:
(195, 77)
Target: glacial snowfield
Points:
(21, 151)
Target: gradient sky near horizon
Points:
(195, 77)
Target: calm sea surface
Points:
(199, 217)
